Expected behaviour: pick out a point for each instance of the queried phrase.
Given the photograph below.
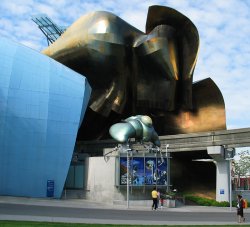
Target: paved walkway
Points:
(85, 204)
(82, 203)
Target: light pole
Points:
(128, 150)
(229, 154)
(230, 183)
(127, 179)
(168, 168)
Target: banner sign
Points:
(144, 171)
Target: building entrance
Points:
(76, 175)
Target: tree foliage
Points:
(242, 166)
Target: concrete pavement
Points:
(111, 214)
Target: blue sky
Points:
(223, 27)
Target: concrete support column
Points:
(222, 172)
(222, 181)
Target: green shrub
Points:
(206, 202)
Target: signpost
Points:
(50, 188)
(128, 150)
(229, 156)
(128, 166)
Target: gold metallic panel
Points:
(132, 72)
(208, 112)
(98, 45)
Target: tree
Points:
(242, 166)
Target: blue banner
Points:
(144, 171)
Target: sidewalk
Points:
(114, 209)
(82, 203)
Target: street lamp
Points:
(128, 150)
(229, 154)
(168, 168)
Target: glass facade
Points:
(42, 104)
(75, 178)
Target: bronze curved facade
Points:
(132, 72)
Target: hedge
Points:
(206, 202)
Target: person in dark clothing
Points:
(240, 213)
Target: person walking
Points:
(158, 197)
(240, 207)
(154, 195)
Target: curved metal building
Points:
(42, 105)
(140, 73)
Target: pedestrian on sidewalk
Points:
(154, 195)
(162, 199)
(158, 197)
(240, 207)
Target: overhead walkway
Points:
(182, 142)
(200, 141)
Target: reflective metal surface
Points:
(132, 72)
(208, 112)
(42, 106)
(138, 127)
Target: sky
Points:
(223, 27)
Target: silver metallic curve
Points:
(139, 127)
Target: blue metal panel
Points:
(42, 104)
